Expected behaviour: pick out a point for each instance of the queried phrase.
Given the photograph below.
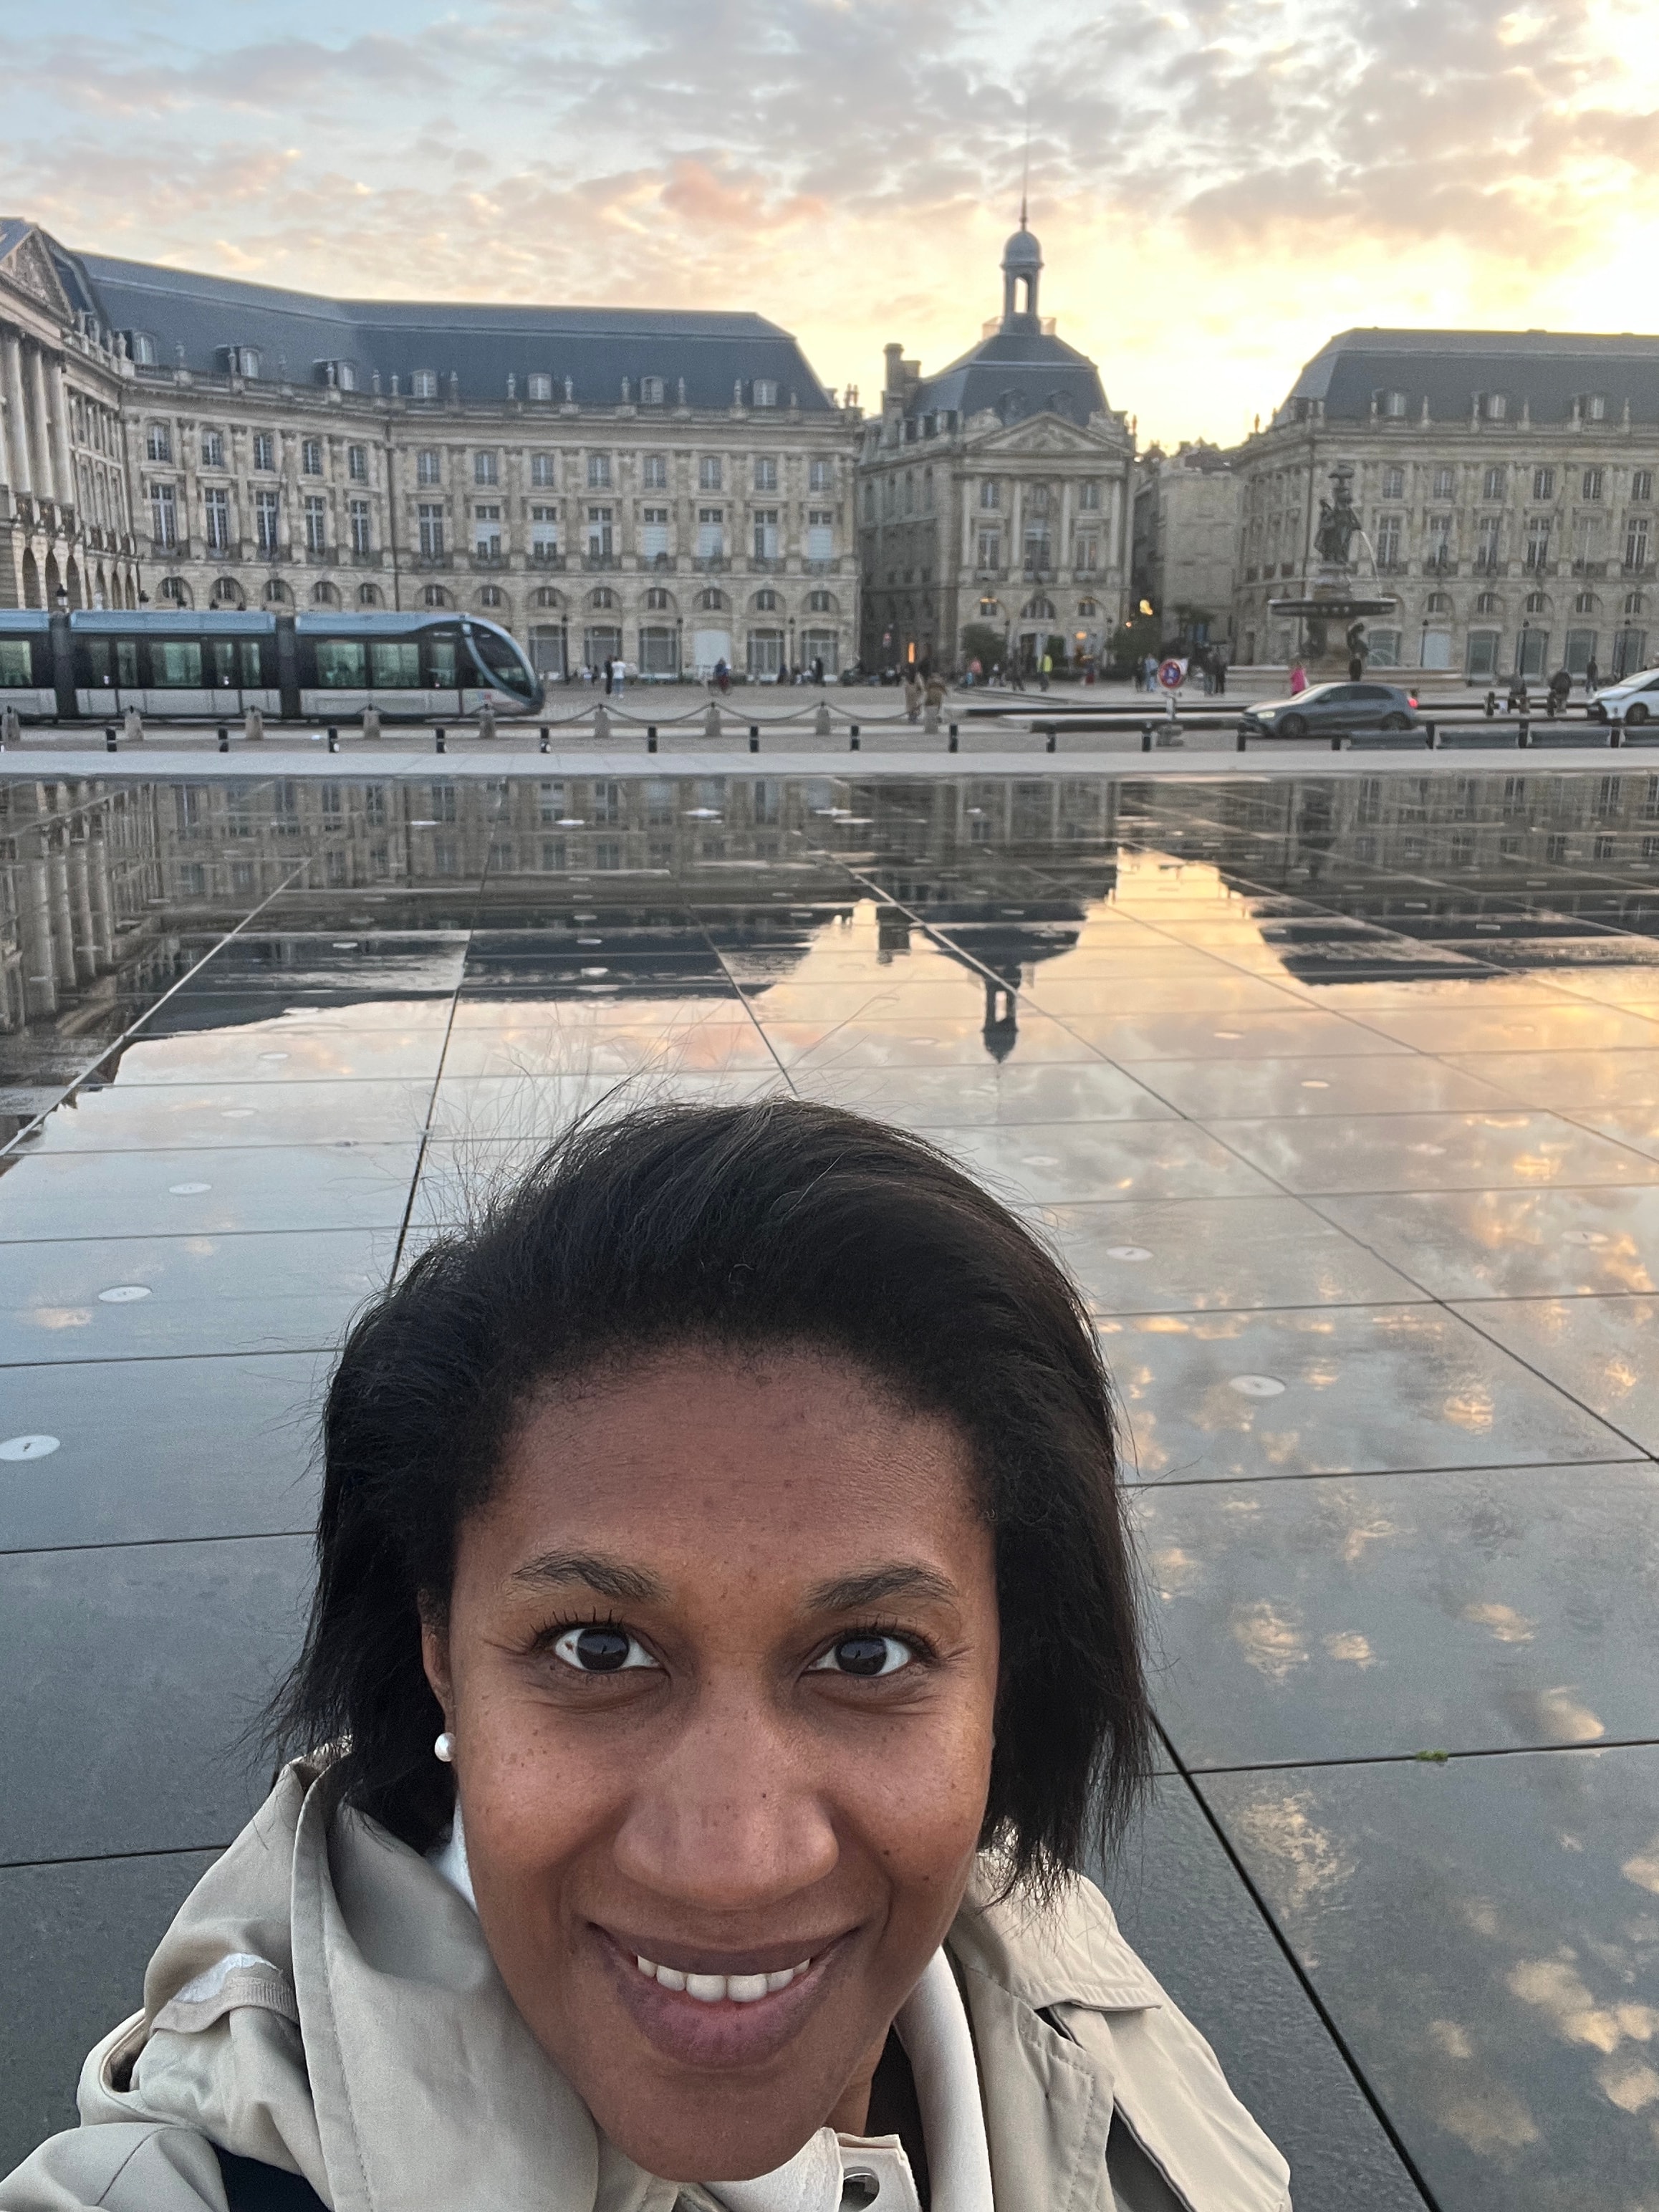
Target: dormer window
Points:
(1394, 404)
(423, 385)
(766, 392)
(1495, 407)
(140, 347)
(538, 387)
(1596, 407)
(650, 392)
(243, 361)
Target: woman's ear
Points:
(435, 1660)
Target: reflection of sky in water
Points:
(1340, 1099)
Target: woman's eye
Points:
(601, 1651)
(864, 1655)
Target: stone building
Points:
(66, 519)
(995, 491)
(1504, 482)
(1186, 542)
(675, 488)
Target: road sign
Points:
(1172, 674)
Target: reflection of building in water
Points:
(79, 875)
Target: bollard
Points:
(1524, 733)
(711, 721)
(1147, 738)
(1336, 745)
(109, 737)
(224, 738)
(1242, 740)
(1491, 704)
(821, 720)
(133, 730)
(952, 743)
(1054, 734)
(651, 737)
(253, 727)
(542, 747)
(438, 739)
(601, 724)
(852, 742)
(1432, 733)
(1430, 738)
(754, 739)
(1615, 731)
(333, 738)
(371, 724)
(486, 721)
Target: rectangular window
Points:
(1037, 548)
(1538, 544)
(316, 524)
(766, 392)
(990, 494)
(1592, 484)
(175, 663)
(164, 514)
(487, 532)
(653, 532)
(538, 385)
(1444, 483)
(486, 468)
(432, 531)
(394, 664)
(428, 466)
(543, 472)
(711, 533)
(1635, 544)
(1394, 483)
(600, 540)
(1088, 552)
(1491, 485)
(1486, 550)
(158, 442)
(990, 549)
(821, 474)
(1388, 528)
(357, 464)
(1543, 483)
(1596, 407)
(311, 456)
(215, 511)
(213, 449)
(766, 533)
(264, 449)
(820, 533)
(709, 472)
(360, 538)
(765, 472)
(654, 472)
(650, 392)
(544, 533)
(1641, 486)
(423, 383)
(599, 472)
(1439, 545)
(341, 664)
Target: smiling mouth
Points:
(721, 1989)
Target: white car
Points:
(1632, 700)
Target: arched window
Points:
(175, 591)
(711, 599)
(1439, 603)
(227, 592)
(766, 603)
(368, 595)
(656, 599)
(602, 596)
(819, 603)
(277, 591)
(1537, 602)
(325, 594)
(1486, 604)
(1635, 605)
(1584, 603)
(1036, 610)
(491, 595)
(1086, 608)
(435, 596)
(545, 597)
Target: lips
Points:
(721, 1989)
(704, 2017)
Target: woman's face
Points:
(720, 1665)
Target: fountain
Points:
(1331, 604)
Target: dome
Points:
(1022, 251)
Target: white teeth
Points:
(720, 1989)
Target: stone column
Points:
(285, 497)
(103, 928)
(17, 427)
(85, 945)
(59, 394)
(63, 925)
(34, 921)
(45, 475)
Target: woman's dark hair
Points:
(777, 1223)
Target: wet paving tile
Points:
(929, 1098)
(1600, 1350)
(493, 1108)
(1577, 1243)
(1106, 992)
(184, 1117)
(1051, 1163)
(207, 1447)
(904, 1042)
(1352, 1617)
(141, 1755)
(1206, 1254)
(574, 1047)
(1209, 1397)
(50, 1195)
(1399, 1082)
(1486, 1934)
(1525, 1029)
(1230, 1036)
(1570, 1081)
(158, 1296)
(1404, 1151)
(279, 1051)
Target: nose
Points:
(733, 1814)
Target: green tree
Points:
(1134, 640)
(982, 641)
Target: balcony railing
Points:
(591, 560)
(710, 563)
(546, 556)
(484, 556)
(435, 560)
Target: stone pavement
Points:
(1339, 1091)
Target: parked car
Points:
(1323, 710)
(1632, 700)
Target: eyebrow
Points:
(857, 1593)
(610, 1577)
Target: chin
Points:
(702, 2146)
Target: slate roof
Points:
(1015, 373)
(595, 347)
(1545, 370)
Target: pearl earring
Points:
(444, 1748)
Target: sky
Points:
(1218, 187)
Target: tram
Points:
(180, 665)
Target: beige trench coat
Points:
(325, 2002)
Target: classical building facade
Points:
(1186, 542)
(66, 515)
(1504, 482)
(673, 488)
(996, 491)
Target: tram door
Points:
(106, 675)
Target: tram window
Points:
(221, 654)
(126, 663)
(15, 662)
(340, 663)
(251, 664)
(396, 663)
(93, 669)
(500, 659)
(440, 659)
(175, 663)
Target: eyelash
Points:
(921, 1651)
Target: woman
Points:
(1299, 680)
(723, 1654)
(912, 683)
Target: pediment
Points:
(28, 269)
(1042, 434)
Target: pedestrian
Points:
(1299, 680)
(912, 696)
(618, 671)
(1356, 668)
(933, 692)
(818, 669)
(1221, 671)
(610, 676)
(1592, 677)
